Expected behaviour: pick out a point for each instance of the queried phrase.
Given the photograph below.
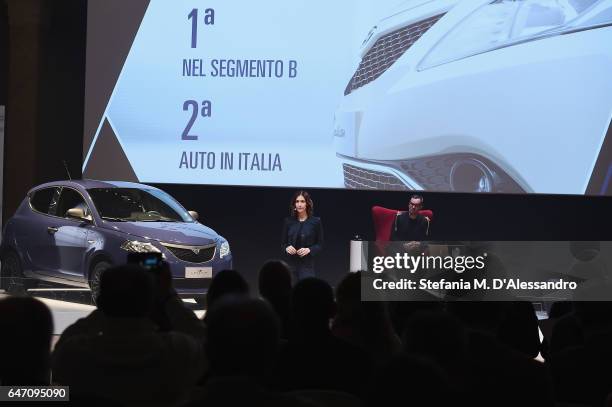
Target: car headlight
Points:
(502, 23)
(139, 247)
(224, 250)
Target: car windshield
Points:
(137, 205)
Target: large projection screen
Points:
(466, 96)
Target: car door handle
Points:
(51, 230)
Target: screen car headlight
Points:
(502, 23)
(136, 246)
(224, 250)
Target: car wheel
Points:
(12, 274)
(94, 279)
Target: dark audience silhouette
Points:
(410, 380)
(582, 372)
(313, 357)
(275, 286)
(242, 346)
(566, 333)
(442, 338)
(25, 341)
(243, 337)
(499, 374)
(303, 346)
(223, 283)
(365, 324)
(118, 351)
(519, 328)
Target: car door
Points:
(69, 235)
(33, 235)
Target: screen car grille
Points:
(386, 50)
(193, 254)
(359, 178)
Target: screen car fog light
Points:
(471, 176)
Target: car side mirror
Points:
(194, 215)
(78, 213)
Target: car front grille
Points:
(359, 178)
(386, 50)
(192, 254)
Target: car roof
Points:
(90, 183)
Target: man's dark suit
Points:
(408, 230)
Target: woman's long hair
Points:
(309, 204)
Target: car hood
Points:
(406, 6)
(170, 232)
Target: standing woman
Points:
(302, 236)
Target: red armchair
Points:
(384, 219)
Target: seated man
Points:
(411, 226)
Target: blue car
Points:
(69, 232)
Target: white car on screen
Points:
(482, 96)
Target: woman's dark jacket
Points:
(311, 234)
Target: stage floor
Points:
(68, 305)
